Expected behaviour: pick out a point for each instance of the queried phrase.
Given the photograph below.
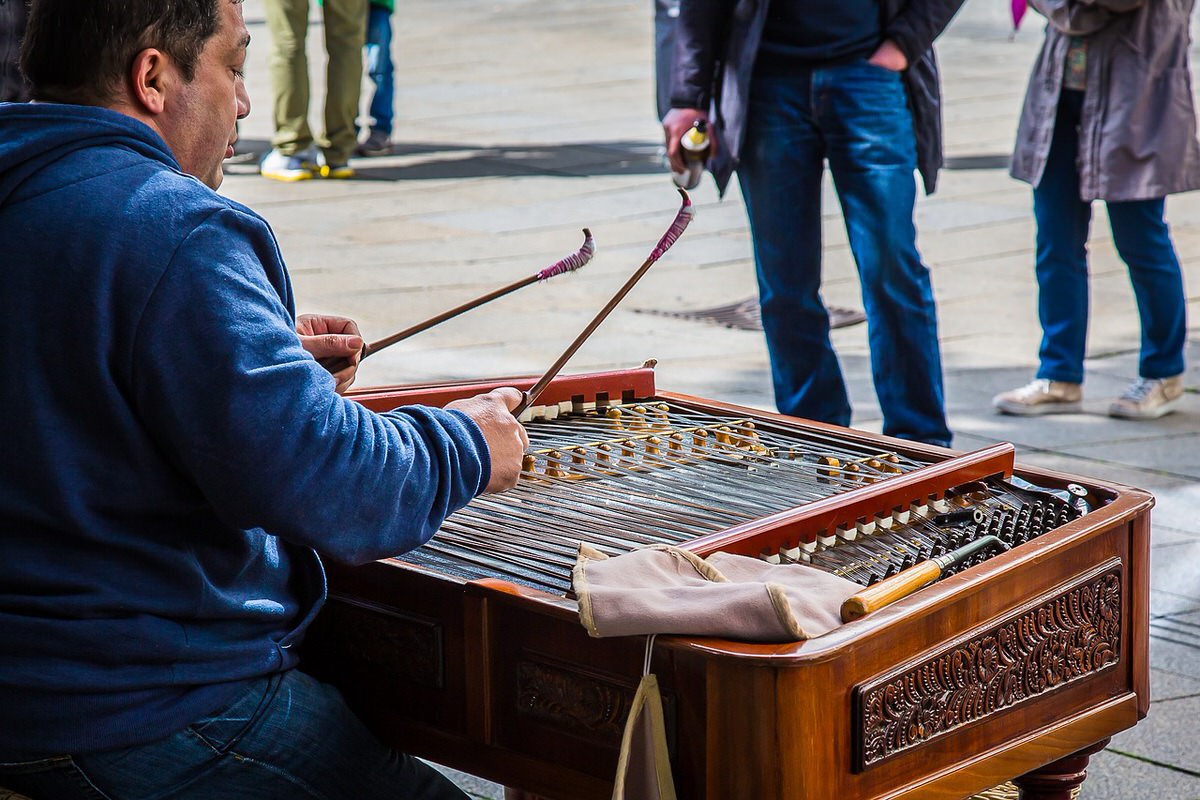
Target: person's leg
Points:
(872, 155)
(1143, 240)
(288, 737)
(380, 68)
(287, 21)
(666, 12)
(56, 777)
(345, 37)
(780, 176)
(1061, 264)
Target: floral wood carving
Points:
(581, 704)
(1037, 650)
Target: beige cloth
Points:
(644, 766)
(663, 589)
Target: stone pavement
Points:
(521, 121)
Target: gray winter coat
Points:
(717, 42)
(1137, 135)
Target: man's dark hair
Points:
(81, 52)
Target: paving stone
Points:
(1112, 776)
(1161, 736)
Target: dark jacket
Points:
(717, 43)
(1137, 132)
(173, 456)
(12, 27)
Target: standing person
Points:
(666, 12)
(1108, 116)
(381, 71)
(856, 83)
(181, 457)
(13, 88)
(292, 156)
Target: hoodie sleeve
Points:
(247, 414)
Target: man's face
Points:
(201, 125)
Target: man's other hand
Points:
(889, 56)
(325, 336)
(506, 438)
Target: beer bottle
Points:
(696, 148)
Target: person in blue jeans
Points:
(665, 14)
(854, 83)
(381, 70)
(1109, 116)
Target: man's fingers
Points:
(510, 396)
(350, 345)
(506, 438)
(333, 344)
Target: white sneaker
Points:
(277, 166)
(1041, 397)
(1148, 398)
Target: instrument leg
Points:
(1057, 781)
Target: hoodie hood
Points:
(33, 135)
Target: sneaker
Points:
(1041, 397)
(377, 144)
(279, 167)
(1148, 398)
(335, 169)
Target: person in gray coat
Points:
(1108, 116)
(786, 85)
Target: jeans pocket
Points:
(58, 777)
(224, 728)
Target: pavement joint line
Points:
(1181, 596)
(1191, 540)
(978, 258)
(1120, 440)
(1169, 640)
(1154, 762)
(1027, 448)
(1193, 696)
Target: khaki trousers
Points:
(345, 25)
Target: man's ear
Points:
(151, 75)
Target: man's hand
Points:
(325, 336)
(506, 438)
(889, 56)
(675, 125)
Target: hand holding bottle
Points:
(688, 125)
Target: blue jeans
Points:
(1144, 243)
(379, 67)
(666, 16)
(288, 737)
(856, 116)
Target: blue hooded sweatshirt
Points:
(173, 459)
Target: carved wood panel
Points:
(1053, 641)
(385, 641)
(583, 705)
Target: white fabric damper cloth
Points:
(663, 589)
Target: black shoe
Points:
(377, 144)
